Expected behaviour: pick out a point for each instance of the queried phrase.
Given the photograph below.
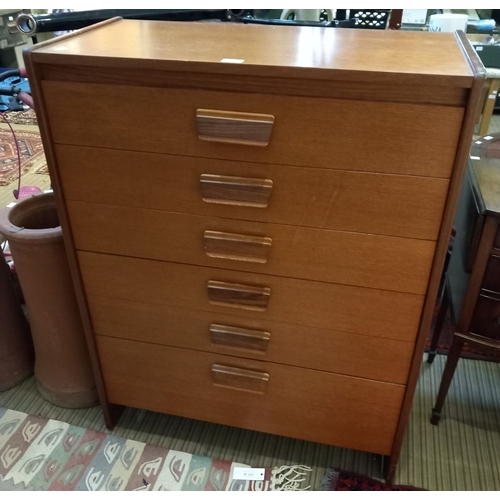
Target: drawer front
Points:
(486, 317)
(377, 313)
(393, 205)
(327, 350)
(372, 261)
(491, 280)
(329, 133)
(295, 402)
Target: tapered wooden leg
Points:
(111, 414)
(390, 466)
(438, 327)
(449, 370)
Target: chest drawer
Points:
(368, 260)
(379, 313)
(486, 317)
(491, 280)
(317, 348)
(300, 403)
(360, 134)
(497, 240)
(393, 205)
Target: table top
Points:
(330, 53)
(492, 73)
(485, 162)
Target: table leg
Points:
(444, 303)
(390, 466)
(449, 370)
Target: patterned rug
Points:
(336, 480)
(22, 117)
(37, 454)
(31, 149)
(42, 168)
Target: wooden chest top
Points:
(267, 51)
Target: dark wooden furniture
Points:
(458, 262)
(257, 240)
(472, 283)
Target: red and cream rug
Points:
(31, 152)
(37, 454)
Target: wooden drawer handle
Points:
(250, 129)
(254, 298)
(239, 338)
(240, 191)
(239, 379)
(237, 246)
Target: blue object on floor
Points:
(22, 83)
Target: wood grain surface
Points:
(294, 301)
(462, 155)
(302, 127)
(491, 279)
(238, 295)
(237, 191)
(487, 173)
(394, 205)
(33, 71)
(367, 260)
(486, 318)
(372, 56)
(300, 403)
(240, 247)
(390, 91)
(239, 379)
(249, 129)
(239, 338)
(324, 349)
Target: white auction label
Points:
(233, 61)
(249, 474)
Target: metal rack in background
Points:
(378, 19)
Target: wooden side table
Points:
(479, 314)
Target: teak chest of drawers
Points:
(257, 217)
